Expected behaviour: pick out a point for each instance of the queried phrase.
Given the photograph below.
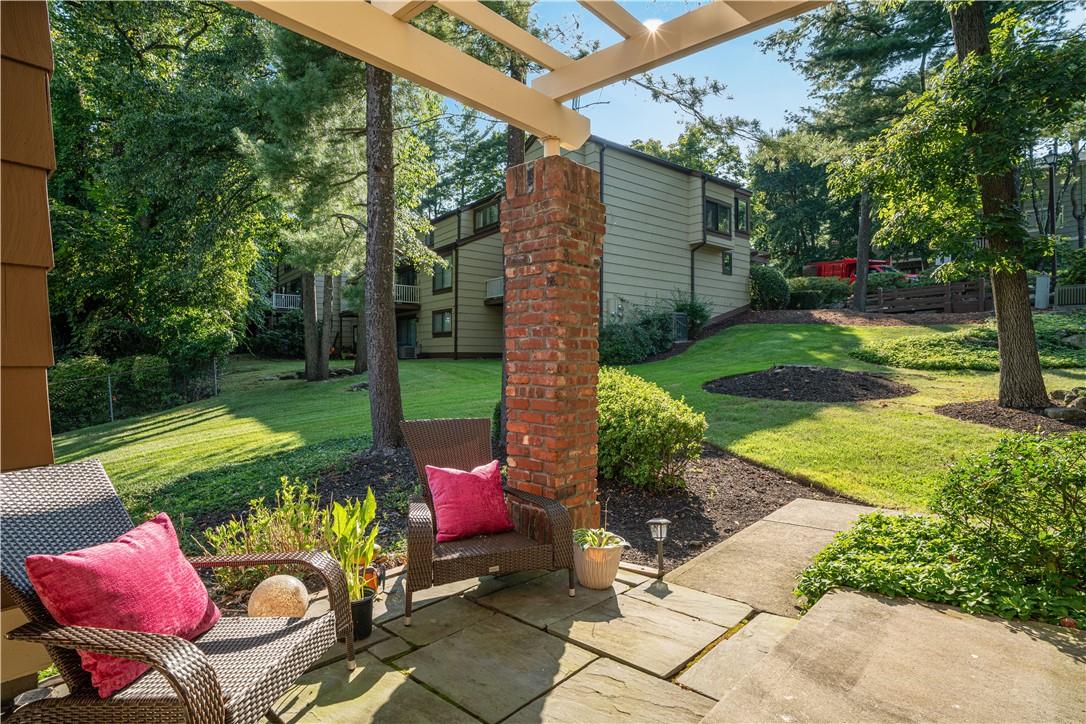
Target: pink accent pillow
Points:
(139, 582)
(468, 504)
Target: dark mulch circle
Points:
(723, 495)
(987, 412)
(803, 383)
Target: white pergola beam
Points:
(507, 33)
(700, 28)
(372, 35)
(405, 10)
(615, 17)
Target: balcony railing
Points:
(495, 288)
(407, 294)
(286, 301)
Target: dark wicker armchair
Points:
(543, 539)
(233, 673)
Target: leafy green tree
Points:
(796, 218)
(470, 155)
(158, 222)
(697, 147)
(946, 170)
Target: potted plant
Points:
(596, 556)
(351, 535)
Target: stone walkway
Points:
(719, 639)
(518, 648)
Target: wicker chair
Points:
(233, 673)
(542, 540)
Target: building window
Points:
(485, 216)
(442, 323)
(443, 275)
(726, 263)
(718, 217)
(742, 216)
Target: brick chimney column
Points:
(552, 225)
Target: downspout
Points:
(603, 147)
(456, 289)
(704, 238)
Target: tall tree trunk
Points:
(1021, 384)
(309, 326)
(326, 328)
(863, 252)
(360, 338)
(386, 407)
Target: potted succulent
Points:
(596, 556)
(351, 535)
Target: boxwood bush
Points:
(805, 299)
(1009, 539)
(768, 289)
(647, 437)
(646, 332)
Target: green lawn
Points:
(219, 453)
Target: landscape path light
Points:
(658, 528)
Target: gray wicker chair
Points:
(233, 673)
(543, 539)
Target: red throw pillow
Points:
(139, 582)
(468, 504)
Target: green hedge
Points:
(1009, 539)
(647, 332)
(79, 391)
(805, 299)
(646, 437)
(977, 347)
(833, 289)
(768, 289)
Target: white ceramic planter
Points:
(596, 567)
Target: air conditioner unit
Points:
(407, 351)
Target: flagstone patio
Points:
(520, 649)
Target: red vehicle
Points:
(846, 268)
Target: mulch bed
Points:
(987, 412)
(805, 383)
(723, 495)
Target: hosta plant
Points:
(598, 538)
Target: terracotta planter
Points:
(596, 567)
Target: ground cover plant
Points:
(976, 348)
(1010, 539)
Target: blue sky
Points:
(759, 85)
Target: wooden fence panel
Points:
(970, 296)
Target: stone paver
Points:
(730, 660)
(607, 691)
(337, 652)
(758, 565)
(495, 666)
(819, 514)
(389, 605)
(438, 621)
(546, 599)
(648, 637)
(714, 609)
(633, 578)
(492, 584)
(373, 692)
(862, 657)
(390, 648)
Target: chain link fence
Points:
(76, 402)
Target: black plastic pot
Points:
(362, 615)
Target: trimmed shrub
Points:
(1010, 539)
(646, 437)
(805, 299)
(887, 280)
(768, 289)
(623, 343)
(834, 289)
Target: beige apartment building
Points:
(670, 231)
